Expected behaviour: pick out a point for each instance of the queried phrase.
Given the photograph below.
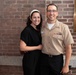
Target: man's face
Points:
(52, 13)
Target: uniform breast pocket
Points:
(58, 36)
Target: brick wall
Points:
(13, 14)
(11, 70)
(16, 70)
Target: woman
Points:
(30, 43)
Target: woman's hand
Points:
(40, 47)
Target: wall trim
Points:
(11, 60)
(17, 60)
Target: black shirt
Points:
(31, 36)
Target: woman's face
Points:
(35, 18)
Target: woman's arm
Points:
(25, 48)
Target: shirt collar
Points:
(56, 25)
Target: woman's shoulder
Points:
(25, 30)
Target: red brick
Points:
(11, 70)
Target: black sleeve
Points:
(40, 39)
(24, 36)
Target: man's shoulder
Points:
(62, 24)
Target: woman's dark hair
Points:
(29, 21)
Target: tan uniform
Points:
(55, 40)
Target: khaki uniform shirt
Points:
(55, 40)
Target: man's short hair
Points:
(52, 4)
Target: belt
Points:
(49, 55)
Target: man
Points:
(56, 40)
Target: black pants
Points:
(31, 64)
(51, 65)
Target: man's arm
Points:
(68, 53)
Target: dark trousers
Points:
(51, 65)
(31, 63)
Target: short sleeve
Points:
(24, 36)
(68, 39)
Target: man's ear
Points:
(45, 15)
(57, 14)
